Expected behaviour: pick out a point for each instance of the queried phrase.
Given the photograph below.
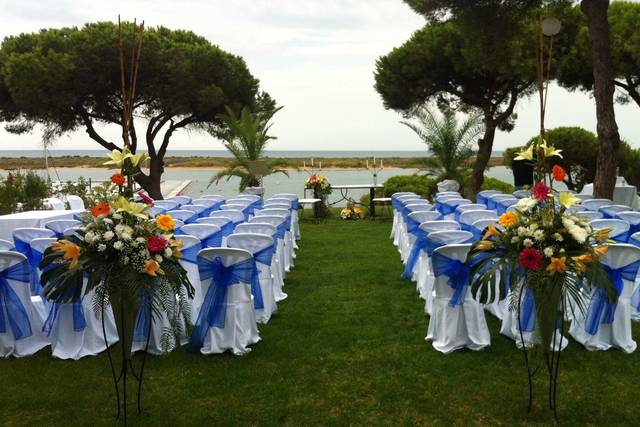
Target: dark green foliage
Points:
(496, 184)
(418, 184)
(24, 190)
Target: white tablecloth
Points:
(622, 195)
(8, 223)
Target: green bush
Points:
(496, 184)
(629, 164)
(24, 190)
(418, 184)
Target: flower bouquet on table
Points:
(540, 254)
(321, 189)
(351, 212)
(129, 165)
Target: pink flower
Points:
(530, 258)
(156, 244)
(541, 191)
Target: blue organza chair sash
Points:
(419, 245)
(456, 271)
(600, 311)
(446, 209)
(413, 226)
(622, 237)
(481, 199)
(25, 249)
(190, 254)
(634, 228)
(634, 241)
(527, 321)
(79, 321)
(212, 313)
(227, 228)
(143, 321)
(295, 204)
(212, 241)
(281, 230)
(265, 255)
(11, 308)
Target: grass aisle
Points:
(347, 347)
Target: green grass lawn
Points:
(347, 347)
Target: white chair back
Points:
(430, 226)
(220, 221)
(251, 242)
(252, 197)
(469, 217)
(166, 204)
(56, 204)
(620, 228)
(182, 200)
(75, 202)
(471, 207)
(197, 209)
(424, 216)
(154, 211)
(521, 194)
(234, 215)
(6, 245)
(209, 203)
(450, 237)
(257, 228)
(269, 211)
(209, 234)
(632, 217)
(612, 210)
(59, 225)
(239, 201)
(274, 220)
(589, 215)
(584, 197)
(183, 215)
(216, 197)
(481, 224)
(286, 206)
(595, 204)
(278, 201)
(25, 235)
(419, 207)
(576, 209)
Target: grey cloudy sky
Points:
(316, 57)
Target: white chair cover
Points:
(521, 194)
(294, 211)
(253, 197)
(6, 245)
(450, 205)
(75, 202)
(633, 218)
(584, 197)
(22, 238)
(278, 201)
(576, 209)
(239, 201)
(226, 225)
(455, 322)
(262, 248)
(217, 197)
(183, 215)
(620, 229)
(38, 247)
(408, 230)
(20, 325)
(257, 228)
(154, 211)
(277, 269)
(592, 329)
(189, 261)
(482, 196)
(289, 239)
(234, 215)
(56, 204)
(239, 329)
(448, 185)
(209, 203)
(197, 209)
(166, 204)
(595, 204)
(590, 215)
(209, 235)
(181, 200)
(58, 226)
(612, 210)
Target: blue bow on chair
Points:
(622, 237)
(10, 304)
(212, 313)
(527, 319)
(190, 254)
(600, 311)
(25, 249)
(446, 209)
(458, 273)
(419, 245)
(79, 322)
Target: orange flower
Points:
(582, 261)
(484, 245)
(491, 231)
(601, 250)
(100, 209)
(165, 222)
(508, 219)
(557, 265)
(117, 178)
(70, 250)
(152, 268)
(603, 234)
(176, 245)
(559, 174)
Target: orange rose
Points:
(101, 209)
(117, 178)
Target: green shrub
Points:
(629, 164)
(418, 184)
(26, 190)
(496, 184)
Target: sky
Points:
(315, 57)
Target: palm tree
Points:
(245, 136)
(448, 140)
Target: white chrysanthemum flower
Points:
(89, 237)
(548, 252)
(168, 252)
(119, 228)
(141, 240)
(538, 234)
(125, 236)
(118, 245)
(528, 243)
(116, 216)
(523, 231)
(125, 260)
(515, 239)
(533, 227)
(526, 203)
(108, 221)
(108, 235)
(578, 234)
(158, 258)
(558, 237)
(102, 247)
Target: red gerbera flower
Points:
(117, 178)
(541, 191)
(530, 259)
(156, 244)
(559, 173)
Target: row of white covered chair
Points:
(419, 231)
(75, 331)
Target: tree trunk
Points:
(485, 146)
(603, 87)
(151, 182)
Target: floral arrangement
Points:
(127, 258)
(541, 252)
(321, 189)
(129, 165)
(351, 212)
